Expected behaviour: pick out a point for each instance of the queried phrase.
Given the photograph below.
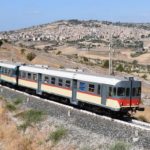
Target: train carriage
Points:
(111, 93)
(46, 80)
(108, 92)
(28, 77)
(8, 73)
(117, 94)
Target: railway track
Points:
(132, 123)
(141, 123)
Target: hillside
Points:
(83, 45)
(78, 45)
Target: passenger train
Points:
(109, 93)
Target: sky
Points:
(16, 14)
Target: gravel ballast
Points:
(83, 120)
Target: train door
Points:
(131, 89)
(74, 92)
(17, 75)
(104, 94)
(0, 73)
(39, 84)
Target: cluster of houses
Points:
(64, 31)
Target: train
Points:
(114, 94)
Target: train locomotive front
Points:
(127, 94)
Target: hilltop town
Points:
(90, 34)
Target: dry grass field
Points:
(144, 116)
(12, 137)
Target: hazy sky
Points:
(16, 14)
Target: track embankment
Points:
(83, 119)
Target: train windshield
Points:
(122, 92)
(136, 91)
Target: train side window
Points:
(46, 79)
(20, 74)
(53, 80)
(4, 70)
(82, 86)
(34, 77)
(110, 91)
(60, 82)
(9, 72)
(29, 75)
(139, 91)
(99, 90)
(68, 83)
(127, 91)
(121, 91)
(133, 92)
(24, 75)
(12, 72)
(114, 91)
(91, 87)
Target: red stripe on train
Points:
(126, 102)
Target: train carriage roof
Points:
(97, 79)
(8, 65)
(73, 75)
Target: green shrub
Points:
(58, 53)
(1, 43)
(85, 59)
(61, 67)
(10, 107)
(17, 101)
(120, 68)
(119, 146)
(24, 126)
(135, 62)
(1, 97)
(105, 64)
(31, 56)
(23, 51)
(144, 76)
(57, 135)
(30, 117)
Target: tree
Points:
(120, 68)
(31, 56)
(135, 62)
(1, 43)
(106, 64)
(23, 51)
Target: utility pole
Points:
(110, 59)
